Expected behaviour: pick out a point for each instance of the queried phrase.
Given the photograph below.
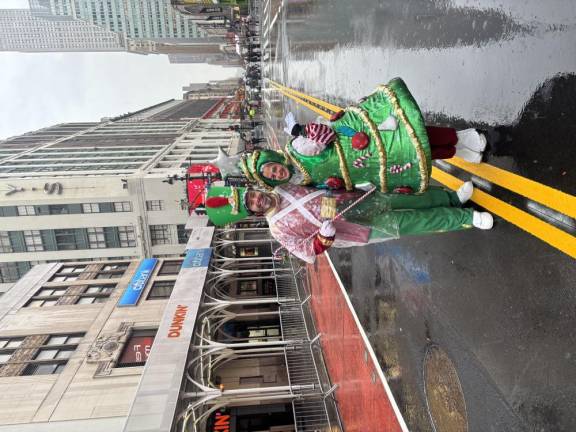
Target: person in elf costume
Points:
(382, 141)
(307, 221)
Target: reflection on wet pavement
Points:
(500, 304)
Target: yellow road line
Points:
(552, 198)
(329, 106)
(306, 104)
(531, 224)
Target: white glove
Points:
(290, 121)
(327, 229)
(366, 186)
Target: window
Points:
(137, 348)
(123, 206)
(66, 239)
(96, 238)
(160, 234)
(50, 357)
(248, 251)
(5, 244)
(46, 297)
(64, 277)
(183, 234)
(26, 210)
(112, 271)
(91, 208)
(7, 348)
(126, 236)
(155, 205)
(55, 209)
(72, 269)
(33, 240)
(170, 268)
(248, 288)
(161, 290)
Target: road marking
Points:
(557, 200)
(555, 237)
(550, 197)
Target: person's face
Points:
(258, 202)
(275, 171)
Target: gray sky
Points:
(42, 89)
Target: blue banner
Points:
(197, 258)
(138, 282)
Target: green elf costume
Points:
(303, 219)
(382, 141)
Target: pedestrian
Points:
(303, 219)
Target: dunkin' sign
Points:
(177, 321)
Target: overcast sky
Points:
(43, 89)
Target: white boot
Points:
(482, 220)
(471, 139)
(465, 191)
(468, 155)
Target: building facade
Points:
(100, 190)
(153, 20)
(21, 30)
(219, 340)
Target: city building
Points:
(21, 30)
(152, 20)
(93, 191)
(219, 340)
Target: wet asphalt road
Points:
(501, 304)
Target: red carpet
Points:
(362, 399)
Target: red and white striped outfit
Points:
(320, 133)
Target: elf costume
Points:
(383, 141)
(296, 219)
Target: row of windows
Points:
(60, 209)
(88, 294)
(67, 239)
(161, 234)
(50, 357)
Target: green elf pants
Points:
(394, 215)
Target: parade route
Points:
(495, 310)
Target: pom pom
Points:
(336, 116)
(334, 183)
(214, 202)
(360, 141)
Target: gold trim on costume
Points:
(256, 174)
(343, 167)
(235, 200)
(307, 178)
(245, 170)
(381, 148)
(422, 161)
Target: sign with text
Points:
(138, 282)
(197, 258)
(136, 351)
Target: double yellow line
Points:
(537, 192)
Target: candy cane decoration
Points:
(352, 205)
(359, 162)
(397, 169)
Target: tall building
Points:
(99, 190)
(152, 20)
(21, 30)
(221, 340)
